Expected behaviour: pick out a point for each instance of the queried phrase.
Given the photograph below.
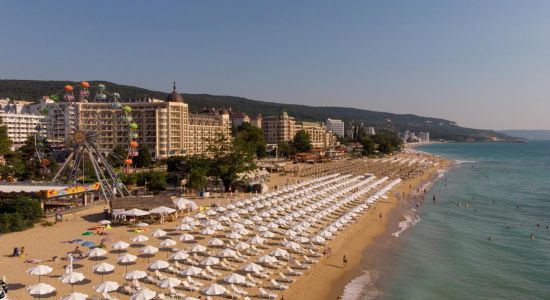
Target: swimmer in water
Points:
(490, 239)
(532, 236)
(458, 204)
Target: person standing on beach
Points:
(345, 261)
(380, 215)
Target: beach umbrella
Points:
(235, 278)
(180, 255)
(221, 209)
(217, 227)
(104, 222)
(40, 270)
(142, 224)
(187, 219)
(291, 245)
(182, 203)
(242, 246)
(267, 259)
(186, 237)
(234, 235)
(198, 248)
(243, 231)
(256, 240)
(184, 226)
(210, 261)
(208, 231)
(303, 239)
(318, 239)
(103, 268)
(267, 234)
(126, 259)
(107, 286)
(40, 289)
(191, 271)
(237, 226)
(158, 233)
(148, 250)
(159, 265)
(143, 294)
(214, 290)
(72, 278)
(215, 242)
(140, 238)
(135, 275)
(75, 296)
(252, 267)
(167, 243)
(162, 210)
(135, 213)
(211, 212)
(120, 245)
(97, 252)
(169, 283)
(262, 228)
(227, 253)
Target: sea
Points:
(486, 236)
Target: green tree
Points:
(228, 160)
(368, 145)
(285, 150)
(301, 141)
(144, 158)
(198, 179)
(251, 138)
(5, 142)
(117, 156)
(153, 181)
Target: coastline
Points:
(328, 279)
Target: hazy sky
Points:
(483, 64)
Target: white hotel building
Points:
(19, 120)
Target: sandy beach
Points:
(324, 280)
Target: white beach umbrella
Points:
(120, 245)
(221, 209)
(140, 238)
(237, 226)
(235, 278)
(158, 233)
(214, 290)
(72, 278)
(211, 212)
(159, 265)
(97, 252)
(186, 237)
(169, 283)
(198, 248)
(39, 270)
(187, 219)
(126, 258)
(103, 268)
(144, 294)
(148, 250)
(142, 224)
(252, 267)
(217, 227)
(200, 216)
(135, 274)
(267, 234)
(234, 235)
(267, 259)
(40, 289)
(162, 210)
(242, 246)
(227, 253)
(191, 271)
(208, 231)
(107, 286)
(135, 213)
(302, 239)
(318, 239)
(210, 261)
(167, 243)
(184, 226)
(75, 296)
(180, 255)
(215, 242)
(104, 222)
(256, 240)
(211, 222)
(243, 231)
(291, 245)
(262, 228)
(182, 203)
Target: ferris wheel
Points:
(85, 161)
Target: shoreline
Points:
(329, 278)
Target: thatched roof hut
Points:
(142, 202)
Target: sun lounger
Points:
(238, 291)
(252, 279)
(284, 278)
(308, 260)
(264, 294)
(188, 286)
(293, 272)
(176, 294)
(212, 271)
(276, 285)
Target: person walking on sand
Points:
(380, 215)
(345, 261)
(433, 198)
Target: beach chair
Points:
(188, 286)
(158, 275)
(277, 285)
(193, 282)
(262, 293)
(106, 296)
(252, 279)
(238, 291)
(284, 278)
(160, 296)
(152, 280)
(176, 294)
(204, 275)
(308, 260)
(212, 271)
(293, 272)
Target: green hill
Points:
(439, 128)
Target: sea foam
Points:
(410, 221)
(362, 287)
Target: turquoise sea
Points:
(475, 241)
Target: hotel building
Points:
(283, 128)
(20, 121)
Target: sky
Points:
(484, 64)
